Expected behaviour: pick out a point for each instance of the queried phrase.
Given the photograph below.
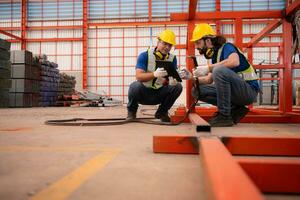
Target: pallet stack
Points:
(5, 67)
(49, 82)
(25, 80)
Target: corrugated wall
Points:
(112, 51)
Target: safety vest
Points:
(249, 73)
(155, 83)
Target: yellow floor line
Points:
(65, 186)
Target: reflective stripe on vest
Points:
(248, 74)
(151, 67)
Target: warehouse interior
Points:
(66, 67)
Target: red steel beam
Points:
(292, 8)
(84, 43)
(268, 29)
(225, 178)
(201, 124)
(135, 24)
(287, 72)
(239, 32)
(267, 146)
(273, 174)
(24, 24)
(192, 9)
(10, 35)
(53, 39)
(149, 10)
(53, 27)
(222, 15)
(180, 144)
(189, 62)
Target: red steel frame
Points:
(285, 108)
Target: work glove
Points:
(160, 73)
(184, 73)
(172, 81)
(201, 71)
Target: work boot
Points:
(221, 121)
(211, 120)
(239, 113)
(131, 115)
(164, 117)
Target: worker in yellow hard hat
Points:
(153, 85)
(229, 82)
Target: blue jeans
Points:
(227, 92)
(140, 94)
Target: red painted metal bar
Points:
(9, 34)
(239, 32)
(225, 178)
(53, 27)
(270, 146)
(276, 175)
(287, 79)
(135, 24)
(201, 124)
(24, 24)
(84, 43)
(222, 15)
(292, 7)
(189, 62)
(268, 29)
(192, 9)
(149, 10)
(53, 39)
(181, 144)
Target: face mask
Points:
(161, 56)
(207, 52)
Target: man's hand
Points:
(184, 74)
(172, 81)
(201, 71)
(160, 73)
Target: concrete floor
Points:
(112, 162)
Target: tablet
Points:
(168, 66)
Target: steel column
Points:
(84, 43)
(24, 24)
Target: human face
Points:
(164, 47)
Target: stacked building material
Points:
(25, 76)
(5, 67)
(49, 82)
(66, 88)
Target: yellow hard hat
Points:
(167, 36)
(202, 30)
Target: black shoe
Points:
(211, 120)
(164, 117)
(221, 121)
(131, 115)
(239, 113)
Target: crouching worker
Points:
(152, 86)
(229, 83)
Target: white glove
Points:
(172, 81)
(160, 73)
(201, 71)
(184, 73)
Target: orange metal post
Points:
(84, 43)
(24, 24)
(273, 174)
(182, 144)
(226, 179)
(271, 146)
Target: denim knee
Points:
(177, 89)
(220, 72)
(134, 88)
